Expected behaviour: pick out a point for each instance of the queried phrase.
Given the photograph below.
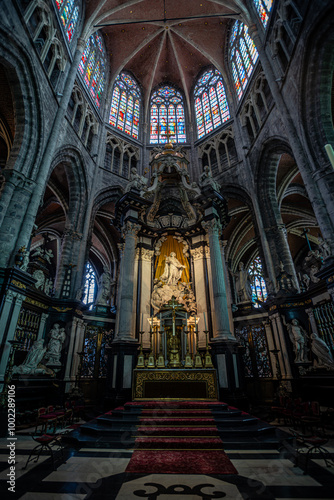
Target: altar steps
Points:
(173, 421)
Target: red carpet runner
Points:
(178, 438)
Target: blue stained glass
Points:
(125, 110)
(167, 116)
(243, 56)
(68, 12)
(263, 8)
(92, 68)
(211, 107)
(258, 284)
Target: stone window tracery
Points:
(125, 105)
(92, 67)
(211, 106)
(243, 56)
(44, 34)
(256, 107)
(120, 156)
(167, 116)
(82, 117)
(219, 153)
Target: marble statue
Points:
(57, 338)
(136, 181)
(324, 248)
(298, 337)
(173, 270)
(39, 276)
(206, 179)
(25, 262)
(33, 359)
(242, 284)
(103, 294)
(48, 255)
(322, 352)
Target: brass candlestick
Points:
(141, 357)
(207, 358)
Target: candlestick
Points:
(205, 321)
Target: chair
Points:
(46, 442)
(306, 445)
(45, 418)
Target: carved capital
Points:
(146, 254)
(212, 227)
(197, 253)
(130, 229)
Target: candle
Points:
(142, 318)
(205, 321)
(330, 153)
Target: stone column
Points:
(198, 255)
(281, 345)
(17, 299)
(125, 311)
(271, 346)
(76, 345)
(145, 293)
(40, 332)
(69, 254)
(313, 323)
(280, 251)
(222, 329)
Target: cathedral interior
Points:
(167, 249)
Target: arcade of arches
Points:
(166, 200)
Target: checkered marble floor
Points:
(91, 473)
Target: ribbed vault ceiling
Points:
(155, 50)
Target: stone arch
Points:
(316, 80)
(76, 174)
(26, 103)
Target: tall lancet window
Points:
(259, 289)
(263, 8)
(167, 116)
(68, 11)
(125, 105)
(211, 107)
(90, 285)
(243, 56)
(92, 67)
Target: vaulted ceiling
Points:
(164, 40)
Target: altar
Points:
(176, 384)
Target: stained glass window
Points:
(211, 107)
(259, 289)
(89, 285)
(92, 67)
(243, 56)
(125, 105)
(68, 11)
(263, 8)
(167, 116)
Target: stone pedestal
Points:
(226, 359)
(122, 361)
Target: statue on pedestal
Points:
(322, 352)
(243, 287)
(57, 338)
(298, 337)
(33, 359)
(173, 270)
(103, 294)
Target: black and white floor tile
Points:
(94, 474)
